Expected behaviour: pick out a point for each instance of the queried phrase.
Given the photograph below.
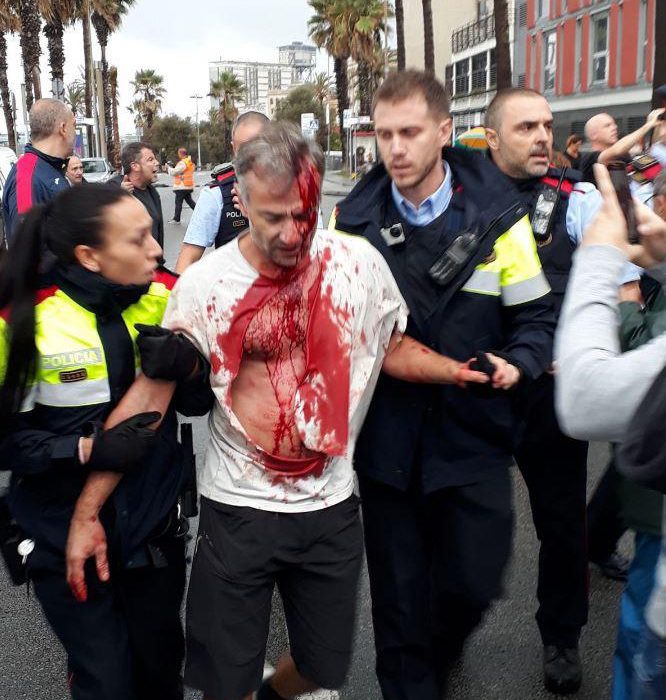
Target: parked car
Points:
(97, 170)
(7, 159)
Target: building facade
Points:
(265, 80)
(587, 56)
(471, 75)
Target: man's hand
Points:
(653, 118)
(126, 184)
(236, 197)
(610, 228)
(506, 375)
(86, 539)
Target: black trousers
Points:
(183, 196)
(554, 468)
(435, 564)
(125, 642)
(605, 524)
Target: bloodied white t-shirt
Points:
(354, 308)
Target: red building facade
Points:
(587, 56)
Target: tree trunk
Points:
(113, 86)
(428, 39)
(88, 63)
(4, 94)
(340, 69)
(502, 48)
(364, 88)
(54, 33)
(106, 89)
(659, 74)
(400, 33)
(30, 49)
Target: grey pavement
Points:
(502, 661)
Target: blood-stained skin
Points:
(289, 324)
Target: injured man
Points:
(290, 327)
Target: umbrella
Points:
(474, 139)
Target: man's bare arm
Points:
(86, 535)
(411, 361)
(189, 254)
(625, 144)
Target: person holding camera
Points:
(600, 390)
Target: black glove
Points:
(165, 354)
(482, 363)
(124, 447)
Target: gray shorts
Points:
(314, 559)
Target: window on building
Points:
(600, 49)
(642, 41)
(492, 82)
(579, 30)
(448, 79)
(522, 14)
(479, 71)
(462, 77)
(549, 62)
(481, 8)
(543, 8)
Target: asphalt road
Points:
(502, 661)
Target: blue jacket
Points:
(36, 177)
(445, 435)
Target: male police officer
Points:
(433, 464)
(216, 220)
(520, 139)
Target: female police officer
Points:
(82, 271)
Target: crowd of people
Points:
(368, 386)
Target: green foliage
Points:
(300, 100)
(168, 134)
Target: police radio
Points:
(454, 258)
(544, 210)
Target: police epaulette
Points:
(221, 170)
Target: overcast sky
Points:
(178, 39)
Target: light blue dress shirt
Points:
(430, 208)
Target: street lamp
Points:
(198, 97)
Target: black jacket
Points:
(150, 198)
(445, 435)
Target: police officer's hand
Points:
(506, 375)
(165, 354)
(127, 185)
(124, 447)
(236, 198)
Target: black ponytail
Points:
(48, 232)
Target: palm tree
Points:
(321, 86)
(114, 155)
(428, 40)
(400, 33)
(149, 90)
(366, 21)
(502, 49)
(106, 18)
(57, 14)
(9, 23)
(227, 90)
(328, 30)
(75, 96)
(31, 24)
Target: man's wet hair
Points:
(493, 118)
(277, 153)
(131, 154)
(46, 115)
(249, 116)
(408, 83)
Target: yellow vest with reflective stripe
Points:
(71, 368)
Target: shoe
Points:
(173, 221)
(562, 672)
(616, 567)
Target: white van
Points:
(7, 159)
